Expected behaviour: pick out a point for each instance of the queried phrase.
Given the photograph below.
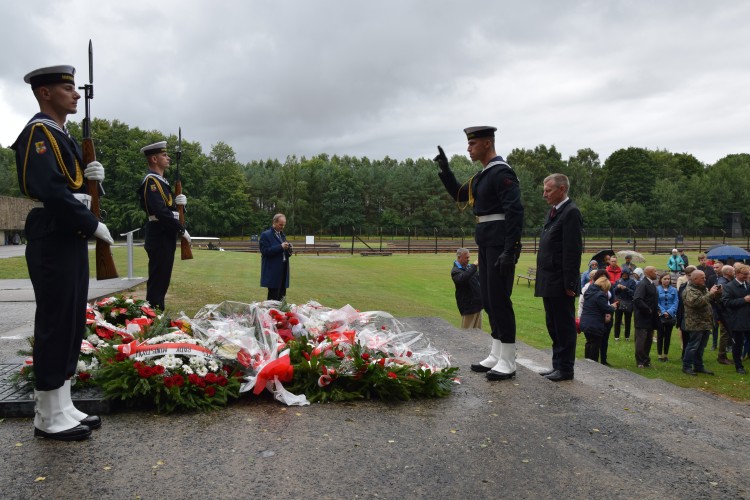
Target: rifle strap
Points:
(155, 179)
(72, 183)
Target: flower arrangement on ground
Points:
(302, 354)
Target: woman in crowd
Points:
(595, 314)
(586, 275)
(667, 314)
(624, 288)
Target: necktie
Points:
(553, 212)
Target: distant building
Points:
(13, 212)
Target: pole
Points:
(129, 236)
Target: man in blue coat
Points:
(275, 252)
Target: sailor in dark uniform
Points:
(49, 163)
(163, 224)
(495, 196)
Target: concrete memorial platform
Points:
(609, 433)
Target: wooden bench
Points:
(529, 276)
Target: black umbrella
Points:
(599, 257)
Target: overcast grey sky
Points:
(397, 77)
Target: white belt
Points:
(83, 198)
(153, 218)
(489, 218)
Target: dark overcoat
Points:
(468, 294)
(736, 310)
(558, 262)
(273, 259)
(646, 305)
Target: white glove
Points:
(186, 235)
(103, 234)
(94, 171)
(180, 199)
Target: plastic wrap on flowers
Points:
(245, 332)
(343, 354)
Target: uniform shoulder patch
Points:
(153, 187)
(508, 182)
(41, 147)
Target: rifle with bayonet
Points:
(186, 253)
(105, 265)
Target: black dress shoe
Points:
(689, 371)
(557, 376)
(741, 371)
(77, 433)
(479, 368)
(548, 372)
(703, 370)
(493, 375)
(93, 422)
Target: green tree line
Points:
(634, 187)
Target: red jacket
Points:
(614, 273)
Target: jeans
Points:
(693, 357)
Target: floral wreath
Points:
(301, 354)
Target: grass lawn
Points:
(403, 285)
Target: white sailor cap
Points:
(155, 148)
(50, 75)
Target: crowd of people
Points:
(703, 302)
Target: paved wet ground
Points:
(608, 434)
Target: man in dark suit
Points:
(646, 313)
(275, 252)
(558, 267)
(735, 298)
(495, 194)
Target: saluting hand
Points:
(442, 160)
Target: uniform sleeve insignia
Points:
(508, 182)
(41, 147)
(153, 187)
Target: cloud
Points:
(396, 78)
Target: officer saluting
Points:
(163, 224)
(49, 161)
(495, 196)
